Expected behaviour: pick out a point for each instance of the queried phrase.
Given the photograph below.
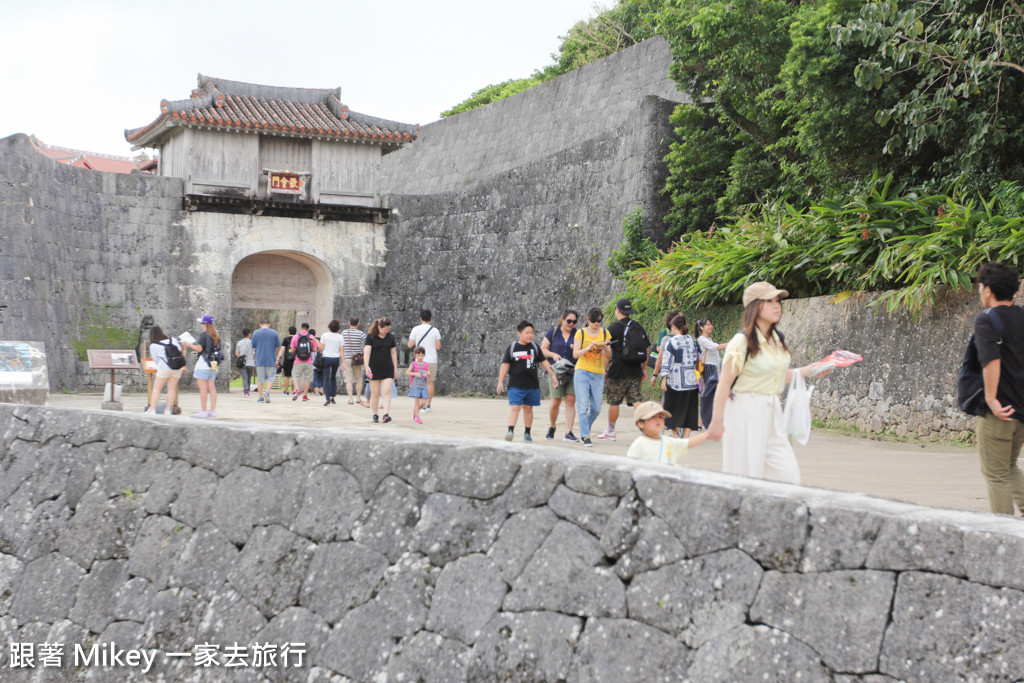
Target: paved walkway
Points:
(939, 476)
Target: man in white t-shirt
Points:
(429, 337)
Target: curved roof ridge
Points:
(267, 92)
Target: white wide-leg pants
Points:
(755, 442)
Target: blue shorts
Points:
(205, 373)
(523, 397)
(418, 392)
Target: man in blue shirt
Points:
(266, 342)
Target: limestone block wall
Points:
(393, 559)
(510, 211)
(82, 250)
(906, 384)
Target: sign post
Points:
(103, 359)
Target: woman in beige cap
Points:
(755, 365)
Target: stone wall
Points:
(510, 211)
(906, 384)
(394, 559)
(82, 252)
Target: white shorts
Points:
(167, 372)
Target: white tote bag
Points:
(797, 412)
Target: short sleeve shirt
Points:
(559, 344)
(266, 341)
(423, 335)
(593, 360)
(353, 342)
(765, 373)
(522, 360)
(617, 369)
(664, 450)
(313, 344)
(1009, 353)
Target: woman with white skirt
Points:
(747, 413)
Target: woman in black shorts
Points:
(381, 359)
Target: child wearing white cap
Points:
(652, 444)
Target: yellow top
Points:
(664, 450)
(593, 360)
(764, 373)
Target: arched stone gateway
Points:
(286, 282)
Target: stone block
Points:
(598, 480)
(696, 600)
(944, 628)
(994, 559)
(536, 480)
(565, 575)
(839, 538)
(46, 590)
(841, 615)
(525, 646)
(93, 608)
(294, 625)
(471, 471)
(330, 503)
(468, 594)
(229, 618)
(430, 658)
(341, 576)
(160, 542)
(247, 497)
(586, 511)
(929, 544)
(173, 619)
(704, 517)
(773, 531)
(203, 561)
(520, 536)
(654, 546)
(133, 600)
(389, 522)
(270, 569)
(194, 504)
(11, 569)
(453, 526)
(757, 653)
(654, 656)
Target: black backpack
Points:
(175, 358)
(970, 385)
(303, 348)
(634, 344)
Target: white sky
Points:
(78, 73)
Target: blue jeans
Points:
(330, 373)
(589, 390)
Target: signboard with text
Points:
(286, 182)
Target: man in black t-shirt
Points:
(1001, 355)
(520, 364)
(627, 371)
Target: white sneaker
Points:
(606, 436)
(425, 409)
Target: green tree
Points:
(636, 250)
(957, 67)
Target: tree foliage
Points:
(957, 69)
(636, 250)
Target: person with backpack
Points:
(999, 341)
(304, 345)
(678, 359)
(286, 359)
(557, 347)
(205, 370)
(429, 337)
(591, 351)
(747, 416)
(245, 359)
(628, 368)
(520, 365)
(170, 364)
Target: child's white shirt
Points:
(667, 449)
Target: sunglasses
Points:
(570, 321)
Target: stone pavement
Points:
(926, 474)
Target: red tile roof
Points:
(295, 112)
(90, 160)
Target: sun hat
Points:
(647, 410)
(762, 290)
(206, 319)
